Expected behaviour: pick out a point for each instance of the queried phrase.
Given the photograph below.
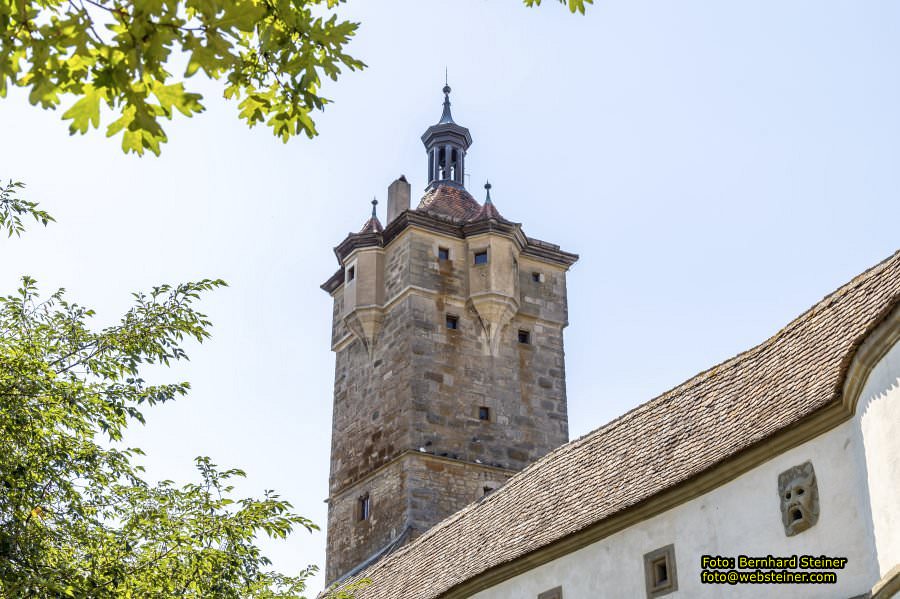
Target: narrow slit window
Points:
(364, 509)
(351, 273)
(484, 413)
(452, 321)
(443, 254)
(524, 336)
(481, 257)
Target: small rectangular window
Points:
(524, 336)
(537, 277)
(484, 413)
(481, 257)
(551, 594)
(443, 254)
(351, 273)
(659, 571)
(364, 509)
(452, 321)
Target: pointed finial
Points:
(446, 87)
(446, 117)
(374, 204)
(487, 186)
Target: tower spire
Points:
(446, 117)
(446, 144)
(373, 225)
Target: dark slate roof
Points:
(652, 448)
(450, 201)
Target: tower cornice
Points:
(530, 247)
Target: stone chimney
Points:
(398, 198)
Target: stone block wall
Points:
(352, 540)
(407, 497)
(370, 421)
(452, 377)
(438, 488)
(406, 425)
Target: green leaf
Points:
(240, 14)
(85, 112)
(170, 96)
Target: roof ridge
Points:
(717, 368)
(704, 374)
(887, 297)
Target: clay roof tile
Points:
(654, 447)
(373, 225)
(450, 201)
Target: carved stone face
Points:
(799, 495)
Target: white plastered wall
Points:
(857, 467)
(878, 412)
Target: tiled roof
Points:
(450, 200)
(373, 225)
(652, 448)
(488, 212)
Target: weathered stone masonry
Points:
(410, 429)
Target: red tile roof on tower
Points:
(656, 447)
(450, 201)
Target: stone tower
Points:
(449, 372)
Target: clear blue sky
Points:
(719, 167)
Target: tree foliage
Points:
(13, 208)
(76, 517)
(574, 5)
(121, 57)
(121, 54)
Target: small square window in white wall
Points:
(551, 594)
(443, 254)
(659, 571)
(481, 257)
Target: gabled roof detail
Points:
(717, 416)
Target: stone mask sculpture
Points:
(799, 495)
